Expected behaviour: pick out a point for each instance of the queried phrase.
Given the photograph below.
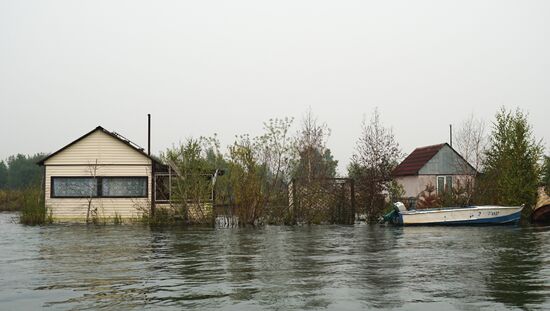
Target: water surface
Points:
(78, 267)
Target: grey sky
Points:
(204, 67)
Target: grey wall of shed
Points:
(446, 162)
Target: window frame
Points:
(445, 178)
(99, 188)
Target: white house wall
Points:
(113, 158)
(76, 208)
(101, 147)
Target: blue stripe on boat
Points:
(508, 219)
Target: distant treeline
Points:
(20, 171)
(20, 180)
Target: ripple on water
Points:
(320, 267)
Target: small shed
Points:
(101, 174)
(439, 165)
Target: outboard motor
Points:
(399, 207)
(393, 215)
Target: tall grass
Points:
(11, 200)
(33, 211)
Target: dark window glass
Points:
(162, 184)
(74, 187)
(449, 183)
(128, 187)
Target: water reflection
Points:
(380, 268)
(90, 266)
(274, 268)
(517, 277)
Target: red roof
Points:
(416, 160)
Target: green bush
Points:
(33, 211)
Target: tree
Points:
(545, 176)
(377, 153)
(92, 211)
(274, 152)
(471, 143)
(194, 163)
(313, 160)
(512, 162)
(246, 181)
(3, 175)
(22, 171)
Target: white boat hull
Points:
(460, 216)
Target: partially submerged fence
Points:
(326, 200)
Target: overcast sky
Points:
(204, 67)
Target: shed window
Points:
(444, 183)
(74, 187)
(127, 187)
(99, 187)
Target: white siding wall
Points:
(114, 158)
(100, 146)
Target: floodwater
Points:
(78, 267)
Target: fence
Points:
(327, 200)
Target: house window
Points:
(99, 187)
(74, 187)
(162, 188)
(124, 187)
(444, 183)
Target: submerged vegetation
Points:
(257, 174)
(34, 211)
(20, 188)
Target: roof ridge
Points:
(412, 164)
(114, 135)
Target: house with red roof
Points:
(439, 165)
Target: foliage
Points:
(247, 180)
(11, 200)
(545, 176)
(192, 188)
(161, 217)
(276, 156)
(458, 195)
(3, 175)
(428, 198)
(372, 164)
(20, 171)
(471, 144)
(471, 141)
(312, 159)
(33, 211)
(512, 167)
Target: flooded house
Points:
(438, 165)
(100, 174)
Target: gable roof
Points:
(416, 160)
(112, 134)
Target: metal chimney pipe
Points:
(451, 134)
(149, 134)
